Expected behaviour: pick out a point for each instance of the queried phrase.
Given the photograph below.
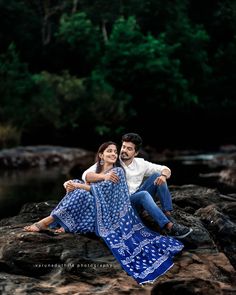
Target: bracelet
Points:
(164, 175)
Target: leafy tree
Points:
(193, 41)
(102, 13)
(223, 57)
(112, 64)
(16, 88)
(107, 107)
(58, 100)
(83, 39)
(145, 68)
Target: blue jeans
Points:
(145, 195)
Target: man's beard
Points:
(124, 156)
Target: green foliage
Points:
(82, 37)
(223, 58)
(15, 89)
(58, 99)
(192, 51)
(66, 102)
(143, 65)
(30, 101)
(100, 66)
(108, 109)
(102, 10)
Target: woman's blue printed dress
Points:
(106, 210)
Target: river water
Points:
(18, 187)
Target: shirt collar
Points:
(130, 166)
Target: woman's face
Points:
(110, 154)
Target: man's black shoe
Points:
(172, 219)
(179, 231)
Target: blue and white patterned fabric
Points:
(76, 212)
(142, 253)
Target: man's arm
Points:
(152, 168)
(165, 174)
(95, 177)
(90, 169)
(163, 170)
(90, 175)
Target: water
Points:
(195, 169)
(18, 187)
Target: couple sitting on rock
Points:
(108, 201)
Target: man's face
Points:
(127, 151)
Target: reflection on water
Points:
(18, 187)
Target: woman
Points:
(104, 208)
(75, 212)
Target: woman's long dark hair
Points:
(101, 149)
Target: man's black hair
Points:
(134, 138)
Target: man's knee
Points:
(145, 196)
(154, 176)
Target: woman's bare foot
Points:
(36, 227)
(60, 230)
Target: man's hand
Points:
(112, 176)
(160, 180)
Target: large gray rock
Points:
(43, 263)
(44, 156)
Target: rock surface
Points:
(44, 156)
(42, 263)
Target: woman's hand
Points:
(71, 185)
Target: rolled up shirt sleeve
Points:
(156, 168)
(90, 169)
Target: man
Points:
(143, 191)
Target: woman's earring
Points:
(101, 162)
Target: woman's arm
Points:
(84, 186)
(71, 185)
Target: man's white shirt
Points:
(135, 172)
